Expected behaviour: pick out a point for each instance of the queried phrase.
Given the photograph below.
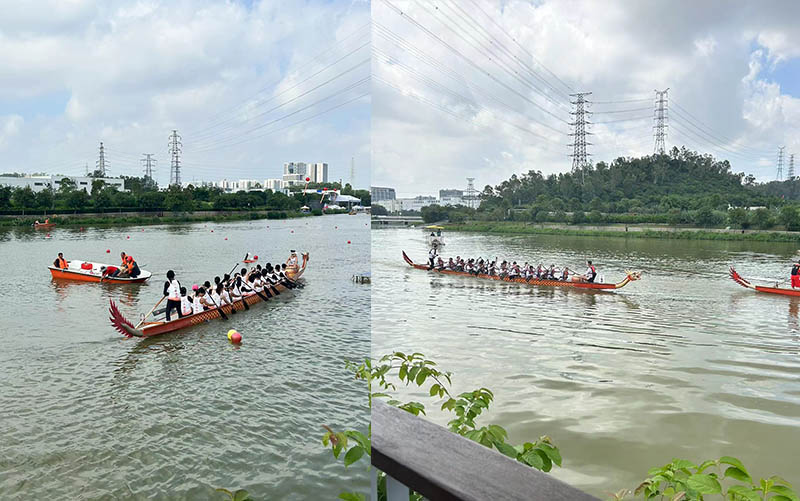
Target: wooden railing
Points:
(424, 457)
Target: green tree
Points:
(738, 217)
(789, 216)
(762, 219)
(24, 198)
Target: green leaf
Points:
(412, 374)
(784, 491)
(704, 484)
(352, 496)
(353, 455)
(532, 459)
(681, 464)
(733, 462)
(498, 432)
(241, 495)
(744, 492)
(547, 465)
(506, 449)
(734, 472)
(422, 375)
(403, 372)
(705, 464)
(434, 389)
(552, 453)
(781, 498)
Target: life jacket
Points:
(174, 290)
(186, 306)
(594, 271)
(62, 263)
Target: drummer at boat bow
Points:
(60, 262)
(172, 289)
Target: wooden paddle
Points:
(151, 311)
(222, 313)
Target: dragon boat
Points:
(630, 276)
(762, 288)
(87, 271)
(149, 329)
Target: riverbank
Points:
(629, 231)
(149, 218)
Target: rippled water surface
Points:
(684, 363)
(88, 414)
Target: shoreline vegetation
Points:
(624, 231)
(155, 218)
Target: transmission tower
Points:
(791, 166)
(149, 162)
(175, 146)
(660, 119)
(102, 163)
(472, 193)
(579, 144)
(780, 162)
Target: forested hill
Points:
(682, 179)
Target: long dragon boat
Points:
(630, 277)
(761, 288)
(150, 329)
(87, 271)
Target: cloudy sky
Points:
(247, 84)
(480, 88)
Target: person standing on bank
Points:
(172, 289)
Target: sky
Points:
(248, 85)
(480, 88)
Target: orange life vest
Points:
(62, 263)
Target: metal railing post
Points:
(395, 490)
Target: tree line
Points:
(681, 187)
(142, 194)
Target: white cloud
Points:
(714, 66)
(128, 72)
(10, 126)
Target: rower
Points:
(197, 302)
(172, 289)
(795, 274)
(123, 259)
(292, 261)
(60, 262)
(186, 303)
(591, 272)
(133, 268)
(431, 257)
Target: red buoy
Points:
(236, 338)
(108, 251)
(348, 241)
(226, 238)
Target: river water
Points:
(683, 363)
(88, 414)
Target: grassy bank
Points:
(509, 227)
(78, 220)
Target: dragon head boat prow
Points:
(122, 324)
(630, 276)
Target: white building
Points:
(318, 172)
(275, 185)
(408, 204)
(381, 193)
(41, 183)
(294, 173)
(451, 197)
